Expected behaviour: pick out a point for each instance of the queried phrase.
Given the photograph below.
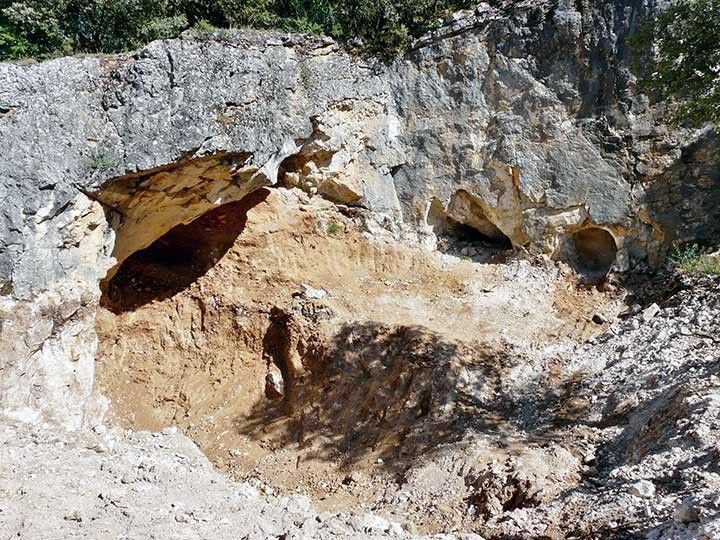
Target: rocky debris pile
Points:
(475, 250)
(615, 438)
(646, 428)
(115, 484)
(653, 388)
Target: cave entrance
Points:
(178, 258)
(591, 252)
(463, 230)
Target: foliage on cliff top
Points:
(682, 59)
(44, 28)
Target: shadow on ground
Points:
(398, 392)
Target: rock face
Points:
(178, 128)
(524, 124)
(507, 127)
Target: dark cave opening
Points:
(178, 258)
(591, 252)
(471, 235)
(480, 241)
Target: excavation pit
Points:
(345, 398)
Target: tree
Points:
(44, 28)
(12, 44)
(50, 27)
(683, 48)
(118, 25)
(30, 28)
(387, 27)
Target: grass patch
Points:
(695, 259)
(335, 229)
(204, 27)
(99, 161)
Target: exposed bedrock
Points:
(524, 124)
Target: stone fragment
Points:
(128, 478)
(75, 515)
(248, 491)
(311, 293)
(369, 523)
(650, 312)
(643, 488)
(274, 384)
(686, 513)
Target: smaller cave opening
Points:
(591, 252)
(178, 258)
(475, 237)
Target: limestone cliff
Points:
(433, 289)
(524, 123)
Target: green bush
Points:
(162, 28)
(43, 28)
(694, 259)
(387, 27)
(12, 44)
(679, 56)
(99, 161)
(254, 13)
(31, 28)
(48, 28)
(335, 229)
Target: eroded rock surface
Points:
(530, 112)
(206, 189)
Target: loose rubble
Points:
(117, 484)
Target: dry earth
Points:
(342, 382)
(351, 396)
